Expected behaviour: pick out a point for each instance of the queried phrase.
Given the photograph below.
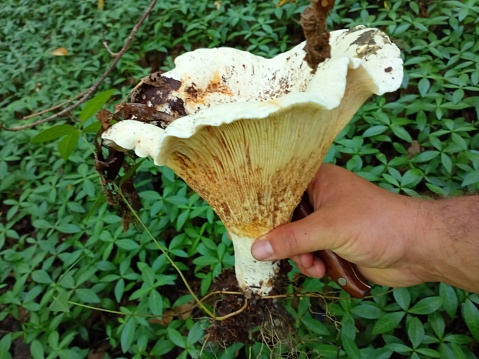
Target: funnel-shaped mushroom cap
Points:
(254, 131)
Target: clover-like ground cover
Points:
(421, 140)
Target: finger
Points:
(316, 270)
(305, 260)
(291, 240)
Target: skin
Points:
(394, 240)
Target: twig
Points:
(113, 54)
(92, 89)
(53, 107)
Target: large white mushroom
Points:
(252, 132)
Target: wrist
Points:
(447, 241)
(425, 246)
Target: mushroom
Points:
(252, 132)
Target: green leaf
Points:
(450, 301)
(411, 178)
(314, 325)
(423, 86)
(182, 218)
(155, 303)
(127, 244)
(95, 104)
(93, 128)
(67, 144)
(437, 323)
(68, 228)
(86, 275)
(428, 352)
(176, 338)
(457, 351)
(470, 313)
(387, 322)
(41, 224)
(348, 328)
(119, 290)
(128, 335)
(205, 261)
(446, 162)
(194, 334)
(87, 295)
(60, 302)
(5, 344)
(205, 282)
(53, 339)
(70, 354)
(471, 178)
(351, 349)
(398, 348)
(401, 132)
(426, 156)
(147, 273)
(36, 349)
(427, 305)
(402, 297)
(327, 350)
(367, 310)
(374, 131)
(415, 331)
(53, 133)
(458, 339)
(140, 293)
(41, 276)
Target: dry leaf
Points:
(414, 149)
(282, 2)
(101, 4)
(165, 319)
(218, 5)
(61, 51)
(98, 353)
(184, 311)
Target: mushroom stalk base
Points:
(254, 275)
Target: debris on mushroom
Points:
(250, 133)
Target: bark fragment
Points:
(313, 21)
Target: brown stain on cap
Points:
(199, 96)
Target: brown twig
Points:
(105, 44)
(92, 89)
(53, 107)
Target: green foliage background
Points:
(58, 239)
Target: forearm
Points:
(448, 246)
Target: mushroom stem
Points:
(254, 275)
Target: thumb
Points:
(289, 240)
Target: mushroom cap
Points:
(254, 131)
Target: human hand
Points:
(362, 223)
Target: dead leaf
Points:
(218, 5)
(101, 4)
(98, 353)
(282, 2)
(184, 311)
(61, 51)
(165, 319)
(414, 149)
